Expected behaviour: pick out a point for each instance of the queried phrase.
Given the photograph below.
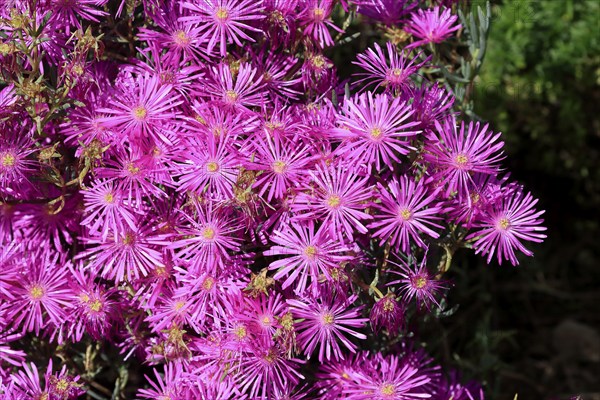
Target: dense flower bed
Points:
(221, 206)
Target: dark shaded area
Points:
(535, 329)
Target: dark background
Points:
(533, 330)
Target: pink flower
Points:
(375, 130)
(324, 322)
(405, 211)
(432, 27)
(316, 20)
(419, 284)
(511, 220)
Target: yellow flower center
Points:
(318, 61)
(8, 160)
(212, 166)
(179, 305)
(36, 292)
(334, 201)
(388, 390)
(461, 160)
(96, 305)
(222, 14)
(420, 282)
(266, 321)
(396, 72)
(405, 214)
(279, 167)
(109, 198)
(129, 239)
(208, 283)
(310, 251)
(271, 356)
(319, 13)
(241, 332)
(328, 318)
(62, 385)
(231, 95)
(140, 112)
(388, 305)
(133, 169)
(504, 223)
(208, 233)
(376, 133)
(181, 39)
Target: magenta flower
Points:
(405, 211)
(324, 322)
(389, 381)
(238, 91)
(375, 130)
(16, 163)
(456, 156)
(511, 220)
(171, 385)
(315, 18)
(7, 354)
(390, 12)
(419, 284)
(432, 27)
(337, 196)
(392, 72)
(387, 313)
(140, 108)
(41, 294)
(224, 20)
(312, 255)
(66, 12)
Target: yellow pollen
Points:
(345, 375)
(179, 305)
(231, 95)
(84, 297)
(133, 169)
(222, 13)
(62, 385)
(208, 283)
(212, 166)
(388, 390)
(319, 13)
(109, 198)
(271, 356)
(241, 332)
(388, 305)
(181, 39)
(461, 160)
(310, 251)
(318, 61)
(140, 112)
(420, 282)
(129, 239)
(376, 133)
(96, 305)
(405, 214)
(504, 223)
(475, 198)
(334, 201)
(279, 167)
(266, 321)
(328, 318)
(208, 233)
(396, 72)
(8, 160)
(36, 292)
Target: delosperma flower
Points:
(202, 199)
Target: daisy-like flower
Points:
(316, 20)
(224, 20)
(406, 210)
(208, 237)
(283, 161)
(57, 386)
(129, 255)
(375, 130)
(170, 385)
(239, 91)
(16, 166)
(510, 221)
(106, 210)
(431, 103)
(457, 155)
(391, 380)
(390, 12)
(391, 71)
(211, 166)
(387, 313)
(41, 295)
(324, 322)
(265, 371)
(419, 284)
(66, 12)
(141, 106)
(431, 26)
(337, 196)
(311, 252)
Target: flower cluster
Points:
(216, 205)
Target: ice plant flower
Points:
(510, 221)
(407, 209)
(431, 26)
(375, 129)
(388, 313)
(326, 322)
(390, 70)
(312, 254)
(224, 21)
(316, 20)
(456, 155)
(416, 282)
